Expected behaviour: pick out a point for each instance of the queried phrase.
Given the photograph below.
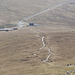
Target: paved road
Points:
(47, 9)
(6, 29)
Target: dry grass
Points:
(17, 47)
(16, 53)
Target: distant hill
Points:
(13, 11)
(23, 51)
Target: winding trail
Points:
(41, 12)
(47, 59)
(43, 43)
(43, 46)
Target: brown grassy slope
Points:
(62, 44)
(17, 49)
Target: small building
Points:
(31, 24)
(15, 28)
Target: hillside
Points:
(48, 49)
(11, 12)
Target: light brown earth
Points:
(17, 48)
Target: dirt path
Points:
(43, 46)
(47, 59)
(50, 8)
(43, 43)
